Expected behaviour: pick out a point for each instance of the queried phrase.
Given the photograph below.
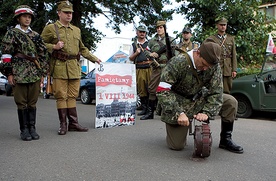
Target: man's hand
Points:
(201, 117)
(99, 61)
(11, 80)
(138, 50)
(183, 120)
(154, 54)
(59, 45)
(234, 74)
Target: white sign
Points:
(115, 95)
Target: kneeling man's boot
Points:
(226, 141)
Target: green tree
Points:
(118, 12)
(245, 22)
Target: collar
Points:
(190, 53)
(141, 42)
(222, 36)
(27, 31)
(61, 25)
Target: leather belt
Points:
(64, 56)
(143, 63)
(20, 55)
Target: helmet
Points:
(142, 28)
(23, 9)
(187, 29)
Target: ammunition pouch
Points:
(58, 54)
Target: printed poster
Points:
(115, 95)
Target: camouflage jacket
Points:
(179, 73)
(228, 60)
(155, 44)
(25, 71)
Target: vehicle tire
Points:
(8, 90)
(244, 107)
(85, 97)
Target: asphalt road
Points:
(133, 153)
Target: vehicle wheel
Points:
(84, 96)
(244, 107)
(8, 90)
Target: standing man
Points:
(196, 74)
(25, 65)
(157, 43)
(143, 69)
(63, 41)
(186, 44)
(228, 60)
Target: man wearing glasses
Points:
(143, 70)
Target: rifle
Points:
(48, 85)
(168, 44)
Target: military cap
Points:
(187, 29)
(160, 23)
(221, 20)
(23, 9)
(142, 28)
(65, 6)
(210, 51)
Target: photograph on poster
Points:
(115, 95)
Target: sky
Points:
(110, 43)
(128, 31)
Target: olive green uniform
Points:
(228, 60)
(66, 74)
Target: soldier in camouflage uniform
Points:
(155, 44)
(25, 71)
(63, 41)
(192, 74)
(228, 60)
(143, 69)
(186, 44)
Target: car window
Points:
(270, 63)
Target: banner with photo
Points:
(115, 94)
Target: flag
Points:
(270, 44)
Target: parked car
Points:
(5, 87)
(88, 88)
(257, 92)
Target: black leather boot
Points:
(23, 123)
(226, 141)
(144, 101)
(32, 122)
(150, 111)
(62, 114)
(73, 121)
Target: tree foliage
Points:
(118, 12)
(245, 22)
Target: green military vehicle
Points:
(257, 92)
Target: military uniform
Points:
(155, 44)
(142, 63)
(228, 60)
(28, 65)
(66, 72)
(186, 82)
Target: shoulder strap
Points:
(28, 38)
(56, 29)
(192, 66)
